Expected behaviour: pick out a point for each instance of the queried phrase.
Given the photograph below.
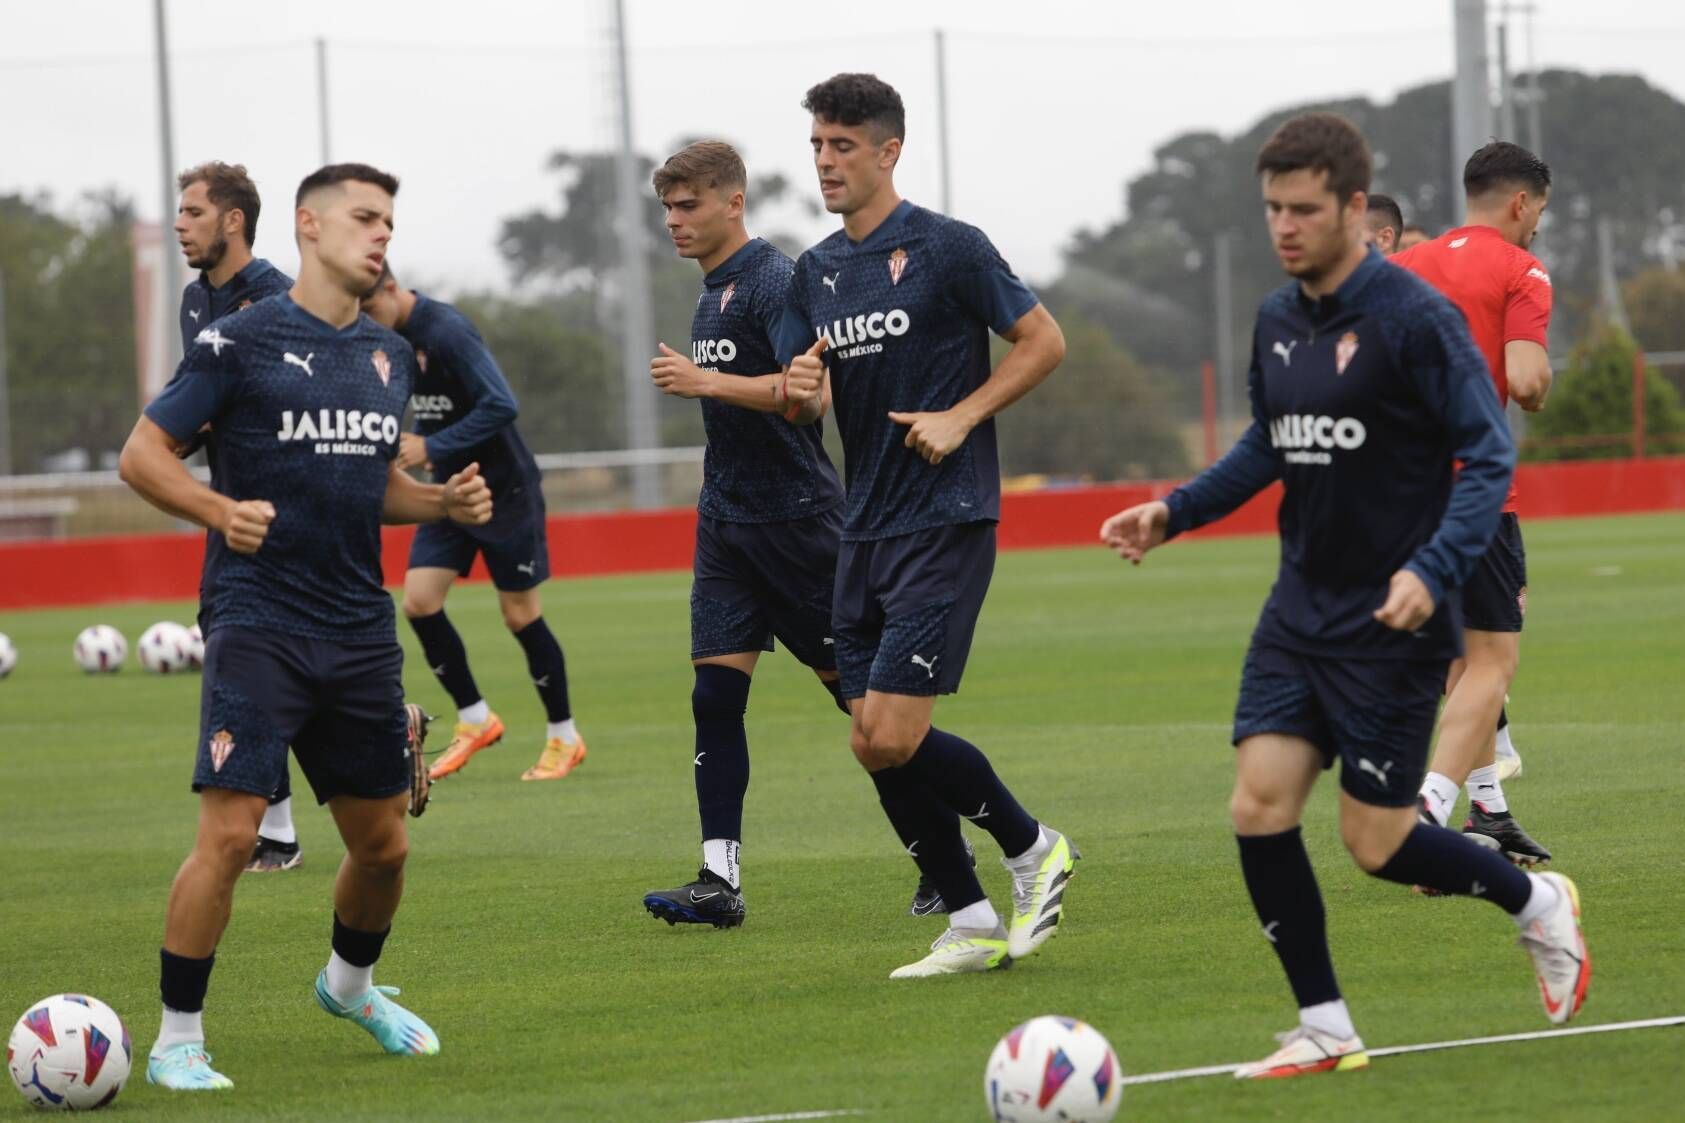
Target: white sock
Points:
(1506, 747)
(1541, 901)
(347, 983)
(1441, 794)
(980, 915)
(1485, 789)
(179, 1028)
(720, 856)
(1037, 851)
(563, 731)
(277, 824)
(475, 714)
(1331, 1018)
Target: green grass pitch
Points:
(1102, 695)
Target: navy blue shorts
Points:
(755, 581)
(1375, 716)
(1495, 598)
(340, 706)
(514, 544)
(907, 607)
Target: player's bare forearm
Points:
(150, 464)
(1528, 368)
(1037, 347)
(758, 392)
(408, 500)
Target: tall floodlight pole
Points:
(1506, 88)
(167, 157)
(1535, 96)
(322, 98)
(636, 319)
(1223, 277)
(1471, 94)
(942, 119)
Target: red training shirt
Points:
(1501, 289)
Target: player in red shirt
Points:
(1484, 267)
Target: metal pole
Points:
(1471, 97)
(1535, 96)
(5, 391)
(1223, 309)
(322, 98)
(637, 321)
(942, 119)
(1608, 288)
(167, 154)
(1506, 91)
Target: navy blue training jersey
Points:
(463, 404)
(1360, 403)
(758, 467)
(202, 305)
(907, 313)
(307, 417)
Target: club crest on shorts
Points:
(220, 744)
(725, 297)
(244, 304)
(382, 367)
(421, 359)
(897, 265)
(1345, 351)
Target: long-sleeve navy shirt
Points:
(1361, 401)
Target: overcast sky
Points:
(1053, 106)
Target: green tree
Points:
(1097, 417)
(1655, 304)
(1591, 402)
(70, 326)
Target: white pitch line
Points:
(789, 1115)
(1395, 1050)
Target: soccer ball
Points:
(100, 648)
(8, 655)
(70, 1053)
(1052, 1070)
(195, 647)
(164, 647)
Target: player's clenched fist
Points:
(805, 379)
(247, 525)
(1408, 605)
(412, 451)
(674, 374)
(467, 498)
(933, 436)
(1135, 530)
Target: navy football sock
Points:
(834, 686)
(182, 981)
(962, 778)
(931, 834)
(717, 701)
(447, 657)
(1452, 863)
(548, 668)
(1289, 906)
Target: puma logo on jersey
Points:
(527, 568)
(930, 667)
(294, 361)
(831, 281)
(1364, 764)
(194, 312)
(1285, 350)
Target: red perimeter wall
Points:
(166, 566)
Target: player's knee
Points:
(1370, 849)
(879, 747)
(518, 614)
(420, 604)
(719, 694)
(227, 843)
(1255, 812)
(385, 854)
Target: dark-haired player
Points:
(901, 301)
(1412, 235)
(1383, 223)
(306, 396)
(1364, 386)
(1485, 269)
(216, 226)
(465, 414)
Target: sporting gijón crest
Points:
(382, 367)
(221, 745)
(897, 265)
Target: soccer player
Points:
(465, 414)
(893, 314)
(1503, 291)
(305, 396)
(1383, 223)
(768, 516)
(1364, 385)
(216, 224)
